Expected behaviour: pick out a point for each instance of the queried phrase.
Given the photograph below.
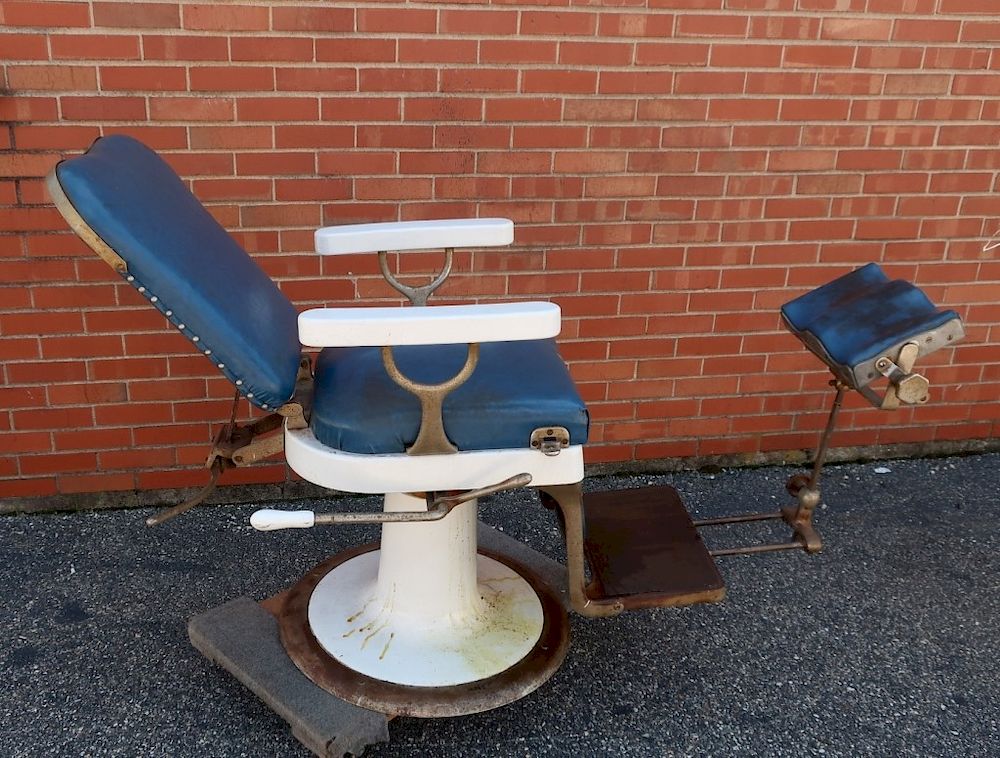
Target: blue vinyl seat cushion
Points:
(859, 315)
(186, 264)
(516, 388)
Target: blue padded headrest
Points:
(861, 314)
(187, 265)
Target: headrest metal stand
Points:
(417, 295)
(803, 487)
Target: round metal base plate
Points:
(409, 640)
(426, 702)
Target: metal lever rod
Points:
(218, 466)
(270, 519)
(754, 549)
(743, 518)
(518, 480)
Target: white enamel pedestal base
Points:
(422, 624)
(425, 610)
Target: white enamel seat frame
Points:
(425, 610)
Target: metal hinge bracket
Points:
(244, 444)
(550, 440)
(905, 386)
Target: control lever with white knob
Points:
(270, 519)
(438, 506)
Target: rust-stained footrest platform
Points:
(644, 550)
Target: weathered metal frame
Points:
(585, 596)
(804, 488)
(239, 445)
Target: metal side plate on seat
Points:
(644, 550)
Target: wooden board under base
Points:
(242, 637)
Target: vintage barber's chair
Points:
(434, 407)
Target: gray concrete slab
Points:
(884, 644)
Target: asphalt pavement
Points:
(885, 644)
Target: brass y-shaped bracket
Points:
(416, 295)
(431, 439)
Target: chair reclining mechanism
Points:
(435, 407)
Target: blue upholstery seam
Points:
(155, 301)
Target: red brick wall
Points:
(677, 170)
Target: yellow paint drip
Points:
(372, 634)
(386, 648)
(500, 623)
(350, 619)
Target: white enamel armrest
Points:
(432, 325)
(414, 235)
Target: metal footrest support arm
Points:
(569, 499)
(803, 487)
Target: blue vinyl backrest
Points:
(186, 264)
